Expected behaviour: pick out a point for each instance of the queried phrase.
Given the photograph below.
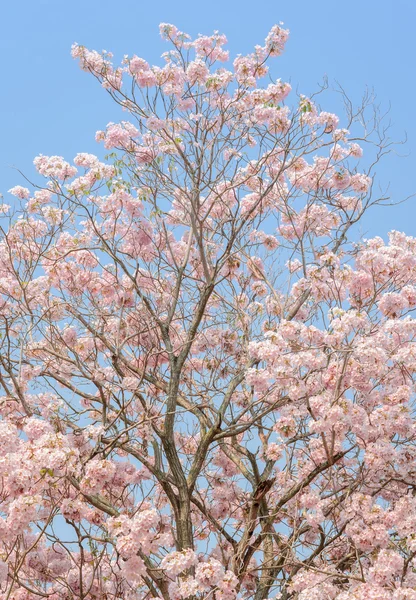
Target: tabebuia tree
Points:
(207, 378)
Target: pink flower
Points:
(133, 569)
(197, 72)
(227, 588)
(177, 562)
(273, 451)
(276, 40)
(142, 72)
(168, 31)
(19, 192)
(329, 121)
(54, 167)
(119, 135)
(360, 183)
(86, 160)
(392, 304)
(3, 572)
(209, 573)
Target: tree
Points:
(207, 388)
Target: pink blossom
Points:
(197, 72)
(3, 572)
(177, 562)
(19, 192)
(54, 166)
(276, 40)
(273, 451)
(328, 120)
(201, 377)
(133, 569)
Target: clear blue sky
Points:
(48, 106)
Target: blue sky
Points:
(48, 106)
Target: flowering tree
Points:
(207, 391)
